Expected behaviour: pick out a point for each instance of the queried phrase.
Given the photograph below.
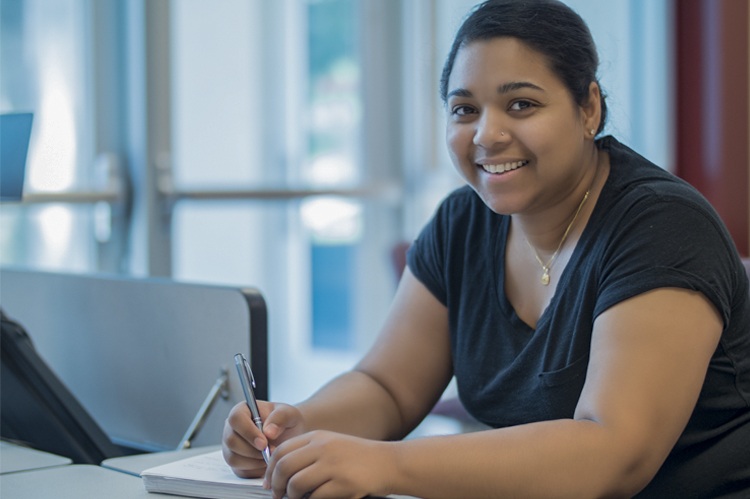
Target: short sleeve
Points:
(426, 257)
(670, 242)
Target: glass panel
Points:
(217, 102)
(322, 264)
(333, 134)
(43, 69)
(334, 97)
(51, 237)
(266, 245)
(332, 283)
(335, 226)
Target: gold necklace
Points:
(545, 268)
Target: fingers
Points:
(323, 464)
(299, 474)
(284, 449)
(240, 433)
(280, 420)
(310, 482)
(287, 472)
(242, 466)
(329, 489)
(242, 442)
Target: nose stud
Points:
(502, 134)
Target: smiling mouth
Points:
(505, 167)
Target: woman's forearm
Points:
(552, 459)
(555, 459)
(354, 404)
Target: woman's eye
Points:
(521, 105)
(462, 110)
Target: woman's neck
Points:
(544, 229)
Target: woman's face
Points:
(514, 132)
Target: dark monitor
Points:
(15, 131)
(38, 410)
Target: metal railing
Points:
(389, 192)
(81, 197)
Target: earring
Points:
(502, 134)
(592, 131)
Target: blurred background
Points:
(291, 145)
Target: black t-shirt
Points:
(648, 230)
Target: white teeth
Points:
(503, 167)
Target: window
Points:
(43, 48)
(322, 261)
(285, 144)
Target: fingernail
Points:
(266, 485)
(259, 443)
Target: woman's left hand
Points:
(324, 464)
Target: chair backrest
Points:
(746, 263)
(398, 258)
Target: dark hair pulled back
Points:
(547, 26)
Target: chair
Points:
(746, 263)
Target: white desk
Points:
(134, 465)
(48, 475)
(14, 458)
(77, 481)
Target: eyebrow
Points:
(502, 89)
(517, 85)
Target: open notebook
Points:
(207, 476)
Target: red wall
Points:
(712, 106)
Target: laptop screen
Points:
(15, 131)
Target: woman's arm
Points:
(649, 357)
(386, 395)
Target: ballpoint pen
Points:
(248, 383)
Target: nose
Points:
(490, 130)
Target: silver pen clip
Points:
(247, 366)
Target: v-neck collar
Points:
(501, 239)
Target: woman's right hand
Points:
(242, 441)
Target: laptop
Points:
(15, 131)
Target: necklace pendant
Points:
(545, 277)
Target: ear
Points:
(591, 112)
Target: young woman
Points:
(592, 307)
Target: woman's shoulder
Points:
(628, 169)
(637, 182)
(645, 205)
